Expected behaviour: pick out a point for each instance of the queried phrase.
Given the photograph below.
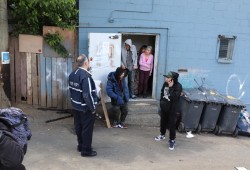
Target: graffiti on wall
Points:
(193, 78)
(235, 81)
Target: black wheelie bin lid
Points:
(213, 96)
(232, 101)
(194, 94)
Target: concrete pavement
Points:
(53, 147)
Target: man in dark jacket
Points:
(170, 95)
(11, 152)
(83, 100)
(117, 90)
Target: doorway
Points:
(139, 40)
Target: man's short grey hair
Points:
(81, 59)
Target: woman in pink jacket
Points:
(146, 67)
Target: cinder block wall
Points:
(193, 28)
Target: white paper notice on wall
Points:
(5, 57)
(105, 52)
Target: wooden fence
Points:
(41, 79)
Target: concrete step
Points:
(143, 113)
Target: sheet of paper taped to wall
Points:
(97, 85)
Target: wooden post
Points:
(104, 107)
(29, 80)
(4, 101)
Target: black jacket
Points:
(82, 90)
(11, 153)
(171, 95)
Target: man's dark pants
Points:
(19, 167)
(167, 120)
(121, 112)
(131, 82)
(84, 125)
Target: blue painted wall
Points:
(188, 37)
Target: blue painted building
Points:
(208, 41)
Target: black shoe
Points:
(89, 154)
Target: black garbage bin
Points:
(229, 116)
(191, 106)
(211, 110)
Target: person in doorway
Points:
(129, 61)
(146, 68)
(83, 99)
(11, 152)
(117, 90)
(170, 95)
(136, 84)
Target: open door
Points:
(105, 52)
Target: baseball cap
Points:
(168, 75)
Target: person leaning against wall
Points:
(83, 99)
(129, 61)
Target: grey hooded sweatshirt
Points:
(133, 53)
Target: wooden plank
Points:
(29, 84)
(17, 72)
(42, 80)
(59, 82)
(12, 69)
(48, 81)
(38, 79)
(54, 82)
(34, 79)
(23, 77)
(30, 43)
(69, 70)
(64, 83)
(104, 106)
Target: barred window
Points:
(226, 48)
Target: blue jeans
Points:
(131, 82)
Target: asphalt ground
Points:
(53, 147)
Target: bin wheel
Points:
(217, 130)
(181, 127)
(235, 133)
(198, 130)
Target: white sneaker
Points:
(160, 137)
(189, 134)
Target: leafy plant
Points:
(31, 15)
(54, 41)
